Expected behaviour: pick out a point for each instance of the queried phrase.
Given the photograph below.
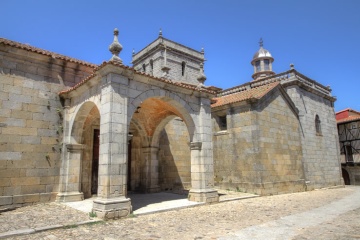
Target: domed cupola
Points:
(262, 62)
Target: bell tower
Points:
(262, 62)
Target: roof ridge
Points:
(180, 84)
(30, 48)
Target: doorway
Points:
(95, 162)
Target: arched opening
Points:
(86, 131)
(345, 176)
(183, 64)
(159, 154)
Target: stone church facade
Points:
(72, 130)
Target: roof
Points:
(347, 110)
(180, 84)
(344, 117)
(262, 52)
(348, 119)
(254, 93)
(29, 48)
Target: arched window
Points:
(144, 67)
(317, 125)
(257, 66)
(182, 68)
(151, 65)
(266, 64)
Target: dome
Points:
(262, 53)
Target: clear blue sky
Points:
(321, 37)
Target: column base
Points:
(69, 197)
(112, 208)
(154, 189)
(203, 195)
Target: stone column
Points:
(151, 169)
(70, 172)
(112, 201)
(202, 163)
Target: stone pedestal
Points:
(69, 196)
(112, 208)
(70, 175)
(204, 195)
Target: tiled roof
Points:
(252, 93)
(348, 110)
(44, 52)
(180, 84)
(348, 119)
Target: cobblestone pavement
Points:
(215, 221)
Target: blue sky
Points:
(320, 37)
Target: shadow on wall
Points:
(174, 158)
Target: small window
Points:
(257, 66)
(317, 125)
(222, 122)
(144, 67)
(182, 68)
(353, 126)
(151, 65)
(266, 64)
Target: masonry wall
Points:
(174, 157)
(260, 152)
(320, 151)
(30, 123)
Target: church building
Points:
(72, 130)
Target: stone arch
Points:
(345, 176)
(78, 119)
(173, 99)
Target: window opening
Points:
(182, 68)
(152, 65)
(144, 67)
(222, 122)
(266, 64)
(317, 125)
(257, 66)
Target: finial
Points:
(261, 42)
(202, 50)
(291, 66)
(202, 76)
(115, 47)
(133, 52)
(160, 33)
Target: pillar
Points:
(112, 201)
(202, 162)
(70, 171)
(151, 169)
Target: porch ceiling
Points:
(152, 112)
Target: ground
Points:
(320, 214)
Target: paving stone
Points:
(214, 221)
